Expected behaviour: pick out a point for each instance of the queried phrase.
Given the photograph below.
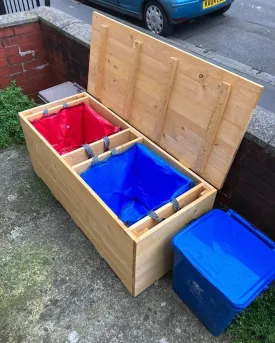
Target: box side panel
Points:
(86, 209)
(154, 255)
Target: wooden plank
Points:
(53, 104)
(55, 109)
(167, 210)
(101, 61)
(153, 248)
(165, 97)
(79, 155)
(193, 97)
(138, 233)
(81, 167)
(132, 79)
(212, 129)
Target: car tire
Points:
(159, 22)
(221, 10)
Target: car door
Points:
(130, 5)
(111, 2)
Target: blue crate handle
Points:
(268, 241)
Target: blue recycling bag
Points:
(135, 182)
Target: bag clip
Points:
(154, 216)
(106, 142)
(175, 204)
(89, 150)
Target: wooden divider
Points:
(79, 155)
(53, 104)
(55, 109)
(81, 167)
(167, 210)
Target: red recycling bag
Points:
(71, 127)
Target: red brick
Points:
(4, 81)
(32, 73)
(10, 70)
(6, 32)
(36, 84)
(22, 39)
(35, 46)
(3, 62)
(10, 51)
(22, 29)
(35, 63)
(16, 59)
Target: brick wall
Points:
(69, 59)
(250, 187)
(23, 58)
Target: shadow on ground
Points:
(55, 287)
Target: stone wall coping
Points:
(261, 129)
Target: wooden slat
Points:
(55, 109)
(165, 97)
(212, 129)
(53, 104)
(81, 167)
(101, 61)
(132, 79)
(79, 155)
(167, 210)
(140, 232)
(180, 122)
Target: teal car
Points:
(160, 16)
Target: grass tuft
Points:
(12, 101)
(257, 323)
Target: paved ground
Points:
(55, 288)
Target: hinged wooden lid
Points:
(193, 109)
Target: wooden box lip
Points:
(37, 112)
(212, 158)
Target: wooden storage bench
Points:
(187, 111)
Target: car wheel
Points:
(221, 10)
(156, 19)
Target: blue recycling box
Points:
(221, 264)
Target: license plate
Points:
(211, 3)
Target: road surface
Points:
(243, 40)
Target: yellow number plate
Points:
(211, 3)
